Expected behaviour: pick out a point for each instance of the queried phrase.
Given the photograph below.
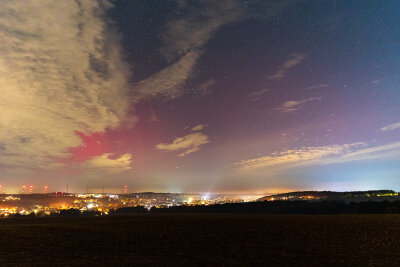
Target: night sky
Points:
(200, 96)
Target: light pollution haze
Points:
(200, 96)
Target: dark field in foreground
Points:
(203, 239)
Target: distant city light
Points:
(206, 196)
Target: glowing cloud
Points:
(198, 127)
(190, 143)
(105, 163)
(61, 72)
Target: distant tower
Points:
(23, 189)
(31, 189)
(45, 189)
(126, 189)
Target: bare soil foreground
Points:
(203, 240)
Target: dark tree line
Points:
(290, 207)
(331, 195)
(266, 207)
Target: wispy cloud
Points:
(185, 35)
(318, 86)
(332, 154)
(199, 127)
(376, 82)
(170, 81)
(293, 61)
(257, 94)
(305, 154)
(369, 153)
(204, 88)
(294, 105)
(195, 25)
(183, 39)
(61, 72)
(391, 127)
(190, 143)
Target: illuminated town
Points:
(102, 204)
(97, 204)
